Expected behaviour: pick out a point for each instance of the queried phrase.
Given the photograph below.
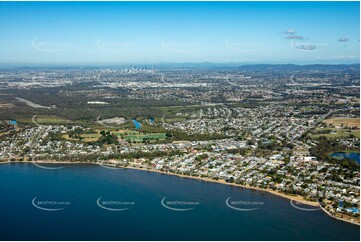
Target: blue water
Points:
(136, 124)
(82, 185)
(352, 155)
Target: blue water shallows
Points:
(350, 155)
(136, 124)
(151, 120)
(78, 190)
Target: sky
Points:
(79, 33)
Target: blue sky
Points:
(161, 32)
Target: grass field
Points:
(90, 137)
(340, 133)
(44, 119)
(5, 133)
(6, 105)
(345, 122)
(141, 137)
(130, 135)
(125, 132)
(86, 137)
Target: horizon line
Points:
(20, 65)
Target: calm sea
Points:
(90, 202)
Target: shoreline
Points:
(338, 218)
(296, 198)
(50, 162)
(345, 151)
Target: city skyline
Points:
(54, 33)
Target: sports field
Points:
(141, 137)
(333, 133)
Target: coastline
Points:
(49, 162)
(338, 218)
(345, 151)
(296, 198)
